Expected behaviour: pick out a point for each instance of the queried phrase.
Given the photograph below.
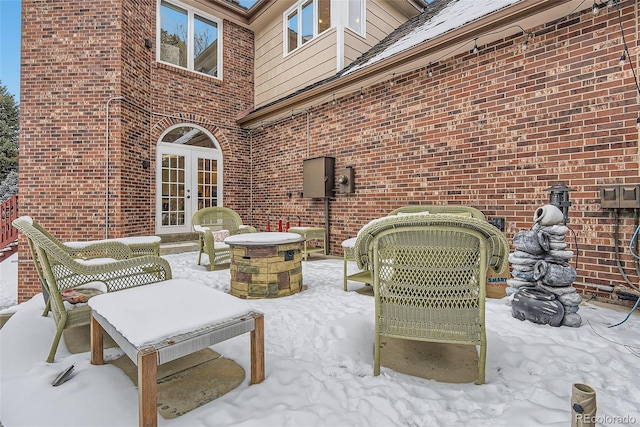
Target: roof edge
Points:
(409, 58)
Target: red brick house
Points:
(135, 113)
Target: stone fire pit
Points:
(265, 265)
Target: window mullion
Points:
(300, 29)
(315, 19)
(190, 40)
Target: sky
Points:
(10, 22)
(319, 367)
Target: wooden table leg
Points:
(257, 350)
(147, 387)
(97, 340)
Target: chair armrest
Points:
(245, 229)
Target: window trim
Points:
(363, 17)
(191, 13)
(297, 8)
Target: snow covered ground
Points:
(319, 359)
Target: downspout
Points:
(326, 199)
(251, 175)
(308, 135)
(106, 192)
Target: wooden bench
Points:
(161, 322)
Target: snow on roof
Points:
(456, 14)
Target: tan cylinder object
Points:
(583, 406)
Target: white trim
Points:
(191, 154)
(363, 17)
(191, 12)
(297, 7)
(339, 47)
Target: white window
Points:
(189, 39)
(355, 19)
(304, 21)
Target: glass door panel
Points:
(173, 187)
(188, 179)
(207, 182)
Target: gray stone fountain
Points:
(540, 287)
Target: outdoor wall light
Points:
(146, 164)
(559, 197)
(475, 46)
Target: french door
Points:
(188, 178)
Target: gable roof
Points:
(442, 24)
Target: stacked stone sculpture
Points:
(540, 287)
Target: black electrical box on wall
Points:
(317, 177)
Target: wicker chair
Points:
(111, 249)
(207, 222)
(429, 278)
(440, 209)
(59, 270)
(348, 246)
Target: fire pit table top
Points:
(263, 239)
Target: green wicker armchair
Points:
(207, 222)
(59, 270)
(348, 246)
(429, 278)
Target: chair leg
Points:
(376, 354)
(201, 244)
(97, 342)
(56, 341)
(147, 388)
(257, 350)
(482, 362)
(47, 307)
(344, 273)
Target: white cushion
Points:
(349, 243)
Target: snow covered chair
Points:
(105, 248)
(213, 225)
(348, 246)
(68, 282)
(460, 210)
(429, 277)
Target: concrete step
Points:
(178, 247)
(179, 237)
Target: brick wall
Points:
(70, 57)
(81, 60)
(492, 130)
